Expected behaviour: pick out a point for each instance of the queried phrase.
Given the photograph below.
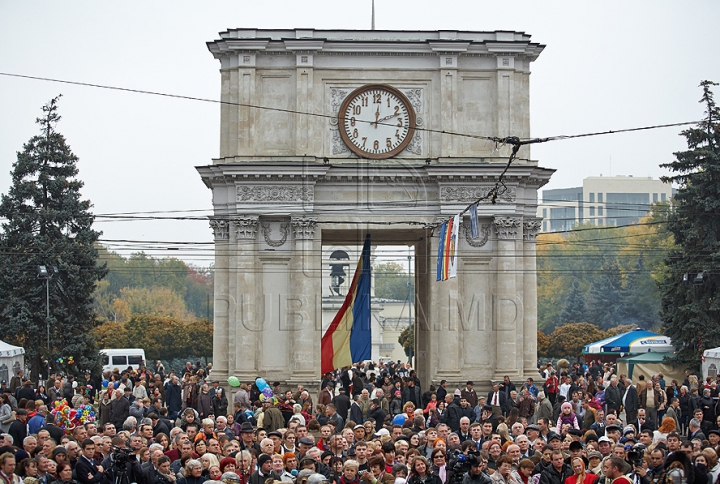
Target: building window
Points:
(544, 226)
(544, 212)
(600, 211)
(655, 197)
(592, 211)
(600, 198)
(592, 198)
(662, 197)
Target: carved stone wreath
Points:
(480, 241)
(267, 230)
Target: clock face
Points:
(376, 121)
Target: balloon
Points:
(267, 392)
(399, 419)
(233, 381)
(105, 383)
(261, 384)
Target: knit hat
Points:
(566, 405)
(263, 458)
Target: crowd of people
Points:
(579, 424)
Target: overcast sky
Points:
(606, 65)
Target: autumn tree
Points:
(543, 344)
(47, 223)
(690, 308)
(569, 339)
(391, 281)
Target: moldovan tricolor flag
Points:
(348, 339)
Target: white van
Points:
(122, 358)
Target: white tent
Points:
(12, 360)
(710, 362)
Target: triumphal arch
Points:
(327, 135)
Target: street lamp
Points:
(47, 272)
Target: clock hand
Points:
(377, 115)
(386, 118)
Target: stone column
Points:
(221, 233)
(304, 318)
(444, 323)
(506, 310)
(246, 327)
(530, 231)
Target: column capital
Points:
(246, 227)
(304, 227)
(220, 228)
(531, 227)
(507, 227)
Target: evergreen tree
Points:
(574, 310)
(606, 297)
(48, 224)
(690, 304)
(641, 302)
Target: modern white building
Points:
(603, 201)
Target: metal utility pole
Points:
(411, 300)
(47, 272)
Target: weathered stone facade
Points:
(285, 184)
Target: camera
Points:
(636, 454)
(461, 463)
(120, 456)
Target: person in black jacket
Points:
(377, 413)
(120, 408)
(173, 397)
(557, 471)
(411, 393)
(453, 412)
(18, 429)
(87, 469)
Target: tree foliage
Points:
(162, 337)
(569, 339)
(391, 281)
(47, 223)
(691, 311)
(138, 278)
(610, 271)
(543, 344)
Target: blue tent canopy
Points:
(635, 341)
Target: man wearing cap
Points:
(18, 429)
(605, 445)
(327, 393)
(533, 433)
(614, 431)
(468, 393)
(264, 470)
(247, 437)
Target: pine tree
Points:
(46, 223)
(640, 298)
(574, 310)
(606, 297)
(690, 304)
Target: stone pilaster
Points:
(530, 231)
(245, 330)
(221, 234)
(507, 308)
(304, 309)
(444, 331)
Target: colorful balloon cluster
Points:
(69, 360)
(265, 390)
(68, 418)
